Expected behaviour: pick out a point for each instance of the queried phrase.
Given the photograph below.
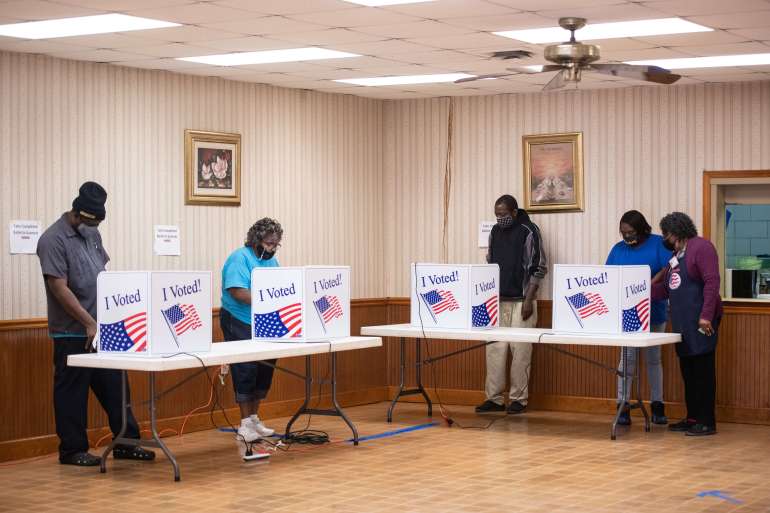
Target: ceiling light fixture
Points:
(638, 28)
(81, 26)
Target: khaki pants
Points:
(497, 356)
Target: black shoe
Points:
(624, 419)
(682, 425)
(128, 452)
(658, 413)
(489, 407)
(80, 459)
(701, 430)
(515, 407)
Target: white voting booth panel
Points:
(455, 296)
(601, 298)
(300, 304)
(154, 312)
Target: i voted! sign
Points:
(154, 312)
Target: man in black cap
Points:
(71, 256)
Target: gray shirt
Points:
(65, 253)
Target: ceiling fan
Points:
(572, 58)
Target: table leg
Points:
(402, 390)
(623, 394)
(638, 387)
(154, 429)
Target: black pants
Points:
(700, 384)
(70, 397)
(251, 380)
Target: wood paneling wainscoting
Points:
(557, 382)
(26, 378)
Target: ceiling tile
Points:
(194, 14)
(162, 64)
(758, 34)
(443, 9)
(461, 41)
(357, 17)
(46, 46)
(285, 67)
(399, 70)
(287, 6)
(734, 20)
(731, 49)
(695, 39)
(440, 57)
(387, 48)
(29, 10)
(604, 13)
(111, 41)
(361, 62)
(265, 25)
(425, 28)
(622, 43)
(125, 5)
(186, 34)
(640, 55)
(537, 5)
(328, 37)
(333, 74)
(732, 77)
(705, 7)
(173, 50)
(99, 56)
(500, 23)
(246, 44)
(264, 78)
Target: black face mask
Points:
(631, 240)
(265, 254)
(668, 245)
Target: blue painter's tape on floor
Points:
(395, 432)
(719, 495)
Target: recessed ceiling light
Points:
(408, 79)
(639, 28)
(81, 26)
(714, 61)
(268, 56)
(380, 3)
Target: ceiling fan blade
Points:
(645, 73)
(483, 77)
(511, 54)
(545, 69)
(557, 82)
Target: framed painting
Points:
(212, 162)
(553, 172)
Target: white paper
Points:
(23, 237)
(166, 240)
(485, 227)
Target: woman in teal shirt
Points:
(641, 247)
(251, 380)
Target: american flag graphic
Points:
(182, 318)
(129, 335)
(440, 301)
(485, 314)
(283, 323)
(329, 308)
(586, 304)
(637, 318)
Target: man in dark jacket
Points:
(516, 246)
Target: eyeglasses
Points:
(271, 245)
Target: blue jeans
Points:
(654, 368)
(251, 380)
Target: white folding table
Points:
(222, 353)
(531, 335)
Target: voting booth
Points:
(154, 312)
(601, 298)
(300, 304)
(455, 296)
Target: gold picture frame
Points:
(212, 168)
(553, 172)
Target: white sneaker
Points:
(260, 428)
(246, 431)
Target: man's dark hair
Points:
(262, 229)
(509, 201)
(636, 220)
(679, 225)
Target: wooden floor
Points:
(537, 462)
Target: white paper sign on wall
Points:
(485, 228)
(166, 240)
(23, 237)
